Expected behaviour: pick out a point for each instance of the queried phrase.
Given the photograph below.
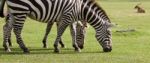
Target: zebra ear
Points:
(84, 24)
(111, 25)
(80, 23)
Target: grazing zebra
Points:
(64, 12)
(77, 31)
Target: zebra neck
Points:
(91, 9)
(94, 14)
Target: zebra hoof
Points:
(107, 49)
(26, 51)
(8, 50)
(77, 50)
(10, 45)
(45, 47)
(56, 51)
(63, 46)
(81, 47)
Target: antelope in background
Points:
(139, 8)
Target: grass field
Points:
(128, 47)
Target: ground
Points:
(128, 47)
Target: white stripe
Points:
(54, 9)
(85, 4)
(62, 7)
(58, 10)
(72, 2)
(93, 13)
(19, 18)
(43, 8)
(33, 7)
(49, 10)
(16, 11)
(89, 10)
(17, 5)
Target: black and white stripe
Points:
(98, 18)
(64, 12)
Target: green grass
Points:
(128, 47)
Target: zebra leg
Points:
(62, 27)
(8, 17)
(17, 28)
(17, 32)
(9, 40)
(73, 34)
(48, 29)
(60, 42)
(7, 33)
(9, 37)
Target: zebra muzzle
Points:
(107, 49)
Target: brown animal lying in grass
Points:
(139, 8)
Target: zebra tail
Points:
(2, 3)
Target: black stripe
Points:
(56, 9)
(93, 17)
(38, 6)
(95, 21)
(46, 4)
(17, 8)
(85, 12)
(15, 14)
(61, 8)
(89, 15)
(52, 7)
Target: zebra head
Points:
(80, 36)
(98, 19)
(104, 37)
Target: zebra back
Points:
(41, 10)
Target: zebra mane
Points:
(100, 8)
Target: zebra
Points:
(76, 28)
(65, 12)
